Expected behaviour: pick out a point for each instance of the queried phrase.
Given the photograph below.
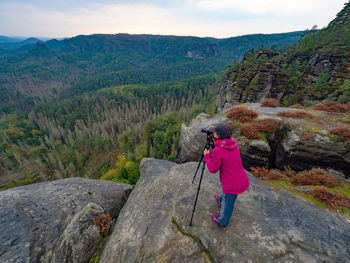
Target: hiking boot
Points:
(216, 220)
(218, 200)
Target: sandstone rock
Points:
(319, 151)
(42, 222)
(282, 148)
(257, 154)
(267, 226)
(192, 140)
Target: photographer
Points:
(226, 158)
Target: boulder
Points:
(266, 226)
(53, 221)
(318, 151)
(192, 140)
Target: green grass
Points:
(284, 184)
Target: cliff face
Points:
(316, 68)
(266, 226)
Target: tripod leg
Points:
(199, 187)
(199, 163)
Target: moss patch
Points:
(181, 230)
(206, 253)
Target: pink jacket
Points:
(227, 158)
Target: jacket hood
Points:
(227, 144)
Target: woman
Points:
(226, 158)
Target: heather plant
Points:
(242, 114)
(270, 102)
(342, 131)
(331, 199)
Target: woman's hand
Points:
(206, 151)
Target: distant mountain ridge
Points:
(86, 63)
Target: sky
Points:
(212, 18)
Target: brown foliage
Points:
(297, 106)
(259, 171)
(332, 107)
(275, 175)
(251, 131)
(103, 222)
(295, 114)
(343, 131)
(242, 114)
(319, 122)
(307, 137)
(331, 199)
(262, 172)
(270, 102)
(315, 176)
(267, 125)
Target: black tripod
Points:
(208, 146)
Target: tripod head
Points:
(210, 138)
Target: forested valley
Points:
(82, 107)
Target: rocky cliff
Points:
(53, 221)
(314, 69)
(267, 226)
(299, 143)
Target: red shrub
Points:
(242, 114)
(295, 114)
(268, 125)
(270, 102)
(275, 175)
(297, 106)
(331, 199)
(103, 222)
(343, 131)
(262, 172)
(307, 137)
(332, 107)
(250, 131)
(259, 171)
(314, 176)
(319, 122)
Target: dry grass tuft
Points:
(342, 131)
(295, 114)
(315, 176)
(270, 102)
(332, 107)
(262, 172)
(331, 199)
(242, 114)
(259, 172)
(251, 131)
(297, 106)
(307, 137)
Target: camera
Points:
(208, 131)
(210, 137)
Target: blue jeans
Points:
(227, 202)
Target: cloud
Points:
(220, 18)
(279, 7)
